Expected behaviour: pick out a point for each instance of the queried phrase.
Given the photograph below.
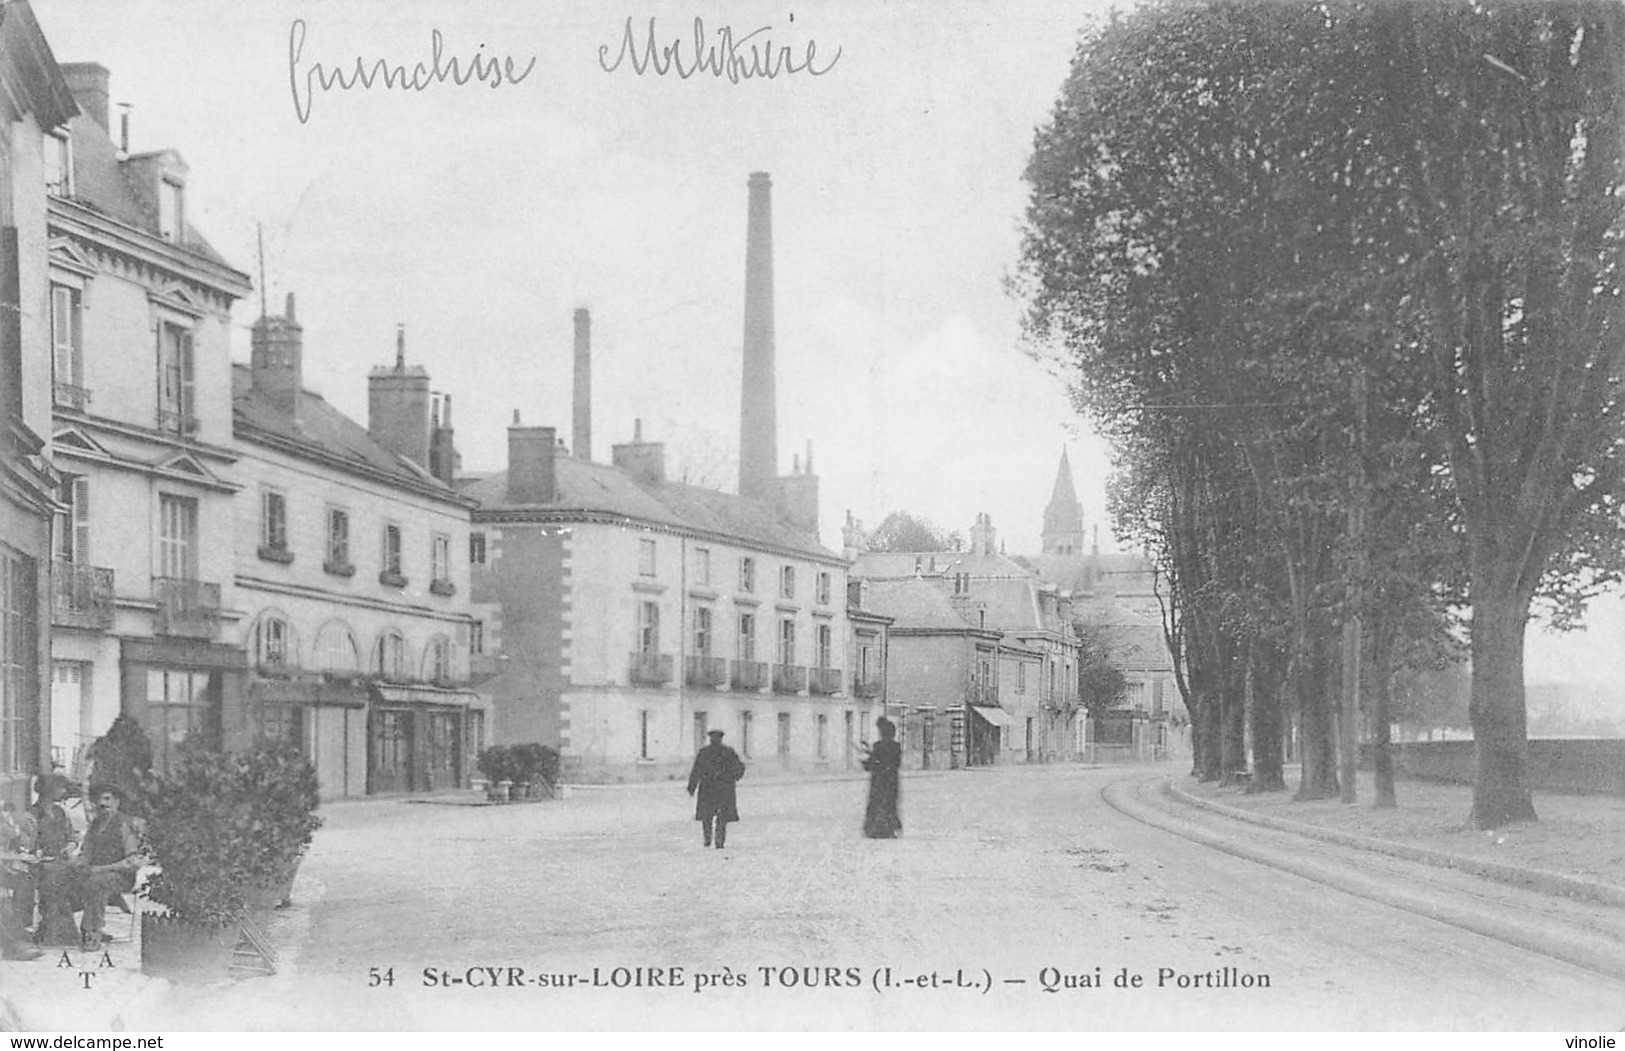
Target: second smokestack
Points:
(582, 416)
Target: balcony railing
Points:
(789, 678)
(189, 608)
(982, 693)
(866, 687)
(824, 681)
(82, 596)
(749, 675)
(649, 669)
(705, 671)
(70, 396)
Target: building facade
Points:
(352, 575)
(626, 616)
(145, 617)
(36, 104)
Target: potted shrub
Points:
(537, 766)
(496, 763)
(226, 831)
(122, 757)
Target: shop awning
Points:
(993, 716)
(388, 694)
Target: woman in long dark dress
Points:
(885, 758)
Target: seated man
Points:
(54, 840)
(16, 884)
(108, 860)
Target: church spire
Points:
(1063, 518)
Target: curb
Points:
(1532, 879)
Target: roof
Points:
(1118, 572)
(915, 604)
(105, 184)
(324, 433)
(898, 565)
(589, 489)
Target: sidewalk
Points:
(1576, 849)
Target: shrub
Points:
(496, 763)
(123, 757)
(535, 764)
(225, 826)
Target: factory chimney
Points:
(758, 438)
(582, 420)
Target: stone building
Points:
(352, 573)
(36, 104)
(145, 618)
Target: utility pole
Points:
(1348, 738)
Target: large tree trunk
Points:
(1233, 717)
(1500, 731)
(1319, 743)
(1382, 683)
(1268, 775)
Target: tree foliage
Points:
(902, 531)
(1341, 283)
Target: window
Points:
(440, 558)
(702, 565)
(171, 209)
(58, 164)
(437, 660)
(643, 734)
(179, 704)
(67, 349)
(176, 380)
(823, 589)
(72, 526)
(823, 735)
(824, 645)
(702, 631)
(787, 641)
(338, 541)
(273, 520)
(747, 636)
(1021, 678)
(389, 656)
(648, 628)
(745, 720)
(271, 643)
(787, 582)
(476, 549)
(336, 651)
(18, 656)
(391, 573)
(177, 537)
(646, 558)
(701, 722)
(476, 637)
(863, 663)
(784, 735)
(747, 574)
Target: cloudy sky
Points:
(481, 216)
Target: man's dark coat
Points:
(716, 768)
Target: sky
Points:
(480, 216)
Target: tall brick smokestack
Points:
(758, 424)
(582, 416)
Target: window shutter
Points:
(187, 400)
(81, 519)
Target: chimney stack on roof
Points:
(276, 359)
(582, 417)
(531, 478)
(398, 406)
(645, 461)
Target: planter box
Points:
(184, 951)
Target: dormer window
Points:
(58, 164)
(171, 208)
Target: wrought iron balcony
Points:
(749, 675)
(866, 687)
(649, 669)
(825, 681)
(789, 678)
(81, 596)
(442, 587)
(187, 608)
(70, 396)
(705, 671)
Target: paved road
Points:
(1024, 893)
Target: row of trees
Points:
(1341, 282)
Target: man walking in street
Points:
(716, 768)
